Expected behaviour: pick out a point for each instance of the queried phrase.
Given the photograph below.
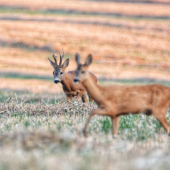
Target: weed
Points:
(106, 125)
(27, 123)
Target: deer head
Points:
(81, 73)
(59, 69)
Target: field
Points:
(129, 41)
(41, 132)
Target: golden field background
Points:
(128, 40)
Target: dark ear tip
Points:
(90, 55)
(76, 55)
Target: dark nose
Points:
(76, 80)
(56, 81)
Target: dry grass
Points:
(32, 85)
(88, 6)
(41, 135)
(120, 46)
(103, 37)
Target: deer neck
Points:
(65, 82)
(94, 90)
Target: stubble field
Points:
(44, 132)
(130, 44)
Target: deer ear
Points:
(66, 63)
(88, 60)
(52, 63)
(77, 58)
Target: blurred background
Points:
(129, 40)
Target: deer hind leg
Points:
(115, 125)
(161, 116)
(84, 98)
(98, 111)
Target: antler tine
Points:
(63, 54)
(61, 57)
(55, 57)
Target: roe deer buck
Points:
(115, 100)
(66, 79)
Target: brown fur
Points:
(66, 79)
(71, 89)
(118, 100)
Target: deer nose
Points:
(76, 80)
(56, 81)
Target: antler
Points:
(61, 57)
(55, 58)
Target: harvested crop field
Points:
(129, 41)
(46, 131)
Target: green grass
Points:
(135, 81)
(24, 76)
(77, 13)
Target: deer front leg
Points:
(90, 99)
(84, 98)
(69, 98)
(115, 126)
(78, 96)
(98, 111)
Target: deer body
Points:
(118, 100)
(130, 99)
(66, 79)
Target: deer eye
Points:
(83, 72)
(61, 73)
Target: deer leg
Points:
(165, 124)
(69, 99)
(84, 98)
(78, 96)
(115, 125)
(98, 111)
(90, 98)
(163, 121)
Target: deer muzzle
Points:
(76, 80)
(56, 81)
